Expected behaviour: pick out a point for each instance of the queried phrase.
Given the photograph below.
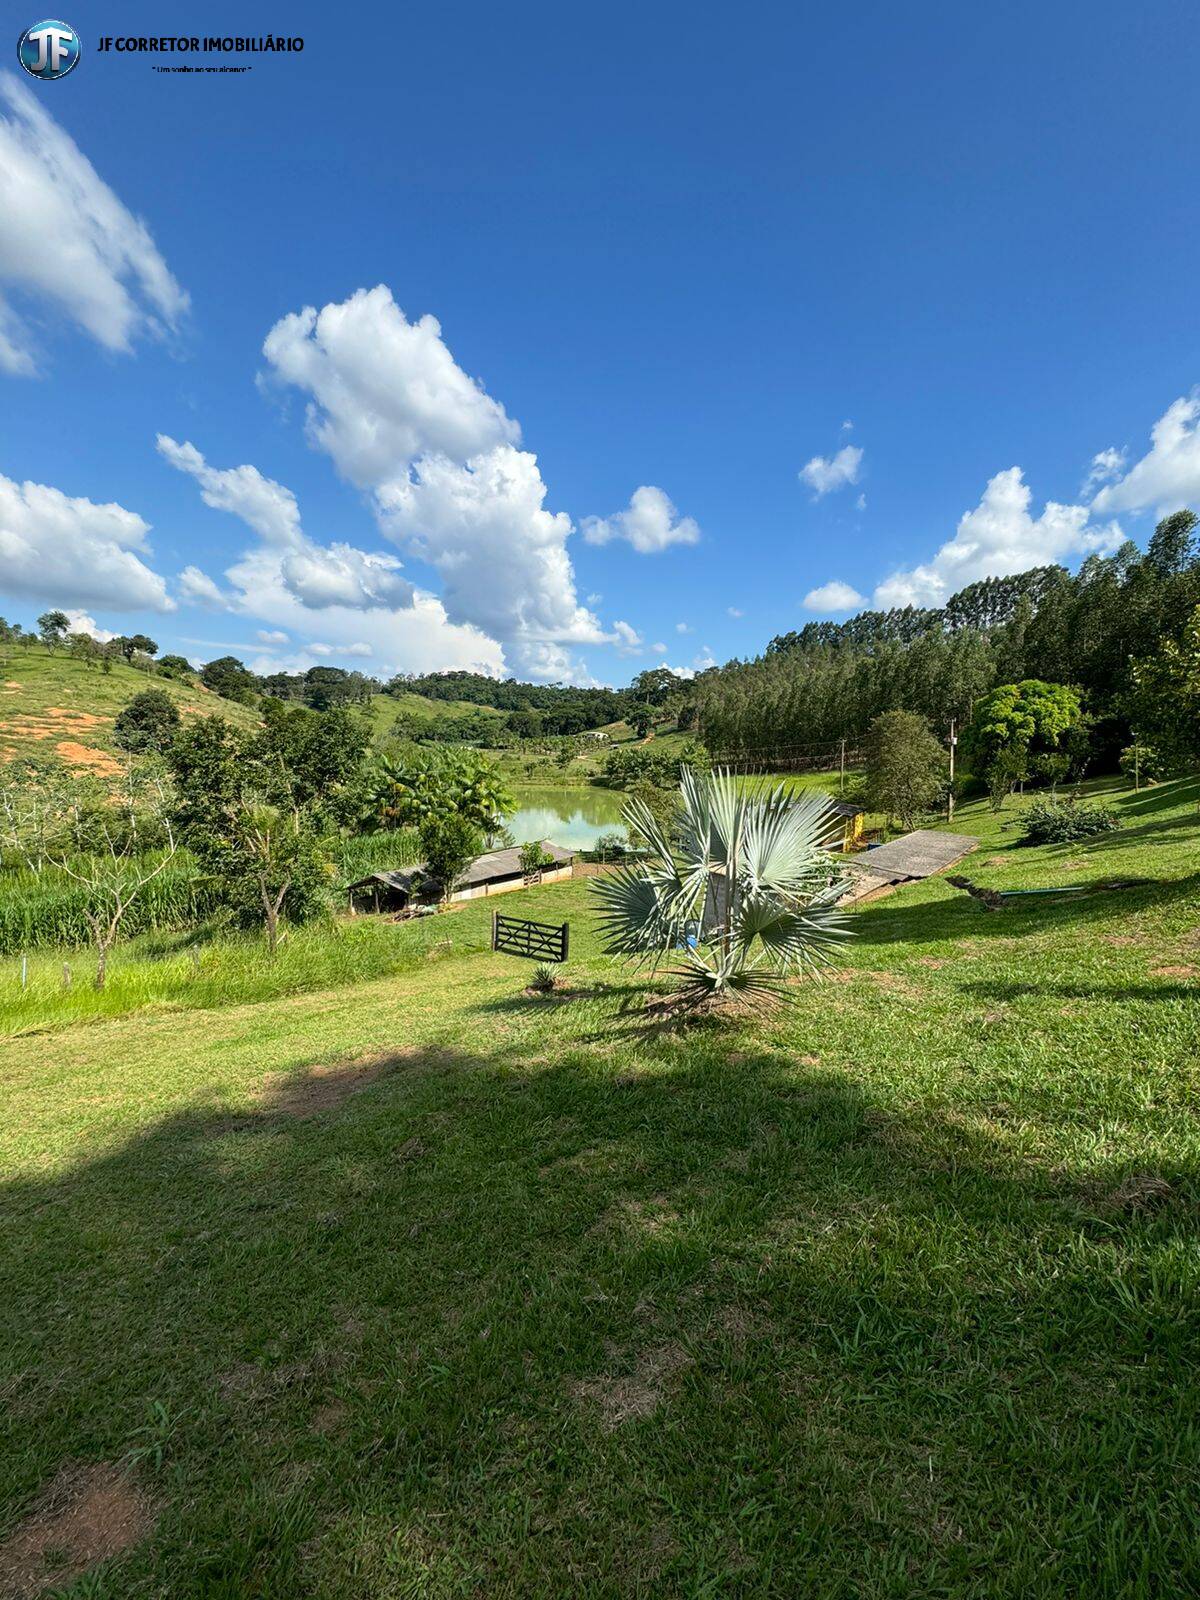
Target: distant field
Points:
(51, 704)
(385, 708)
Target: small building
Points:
(494, 872)
(850, 818)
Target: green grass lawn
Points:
(415, 1285)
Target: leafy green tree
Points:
(1166, 697)
(229, 677)
(132, 644)
(315, 756)
(149, 722)
(1021, 730)
(655, 686)
(449, 843)
(525, 724)
(747, 871)
(179, 667)
(641, 719)
(270, 861)
(404, 789)
(211, 763)
(1172, 546)
(906, 767)
(83, 647)
(52, 627)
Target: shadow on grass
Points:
(1162, 797)
(615, 1307)
(1158, 991)
(960, 917)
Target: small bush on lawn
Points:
(1063, 821)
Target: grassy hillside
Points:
(422, 1285)
(385, 708)
(52, 704)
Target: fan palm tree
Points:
(737, 890)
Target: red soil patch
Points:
(83, 755)
(89, 1512)
(1175, 972)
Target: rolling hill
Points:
(52, 704)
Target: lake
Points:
(574, 818)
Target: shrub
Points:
(543, 980)
(1142, 763)
(149, 722)
(1062, 821)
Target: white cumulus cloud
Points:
(1105, 466)
(1000, 536)
(1168, 475)
(72, 552)
(833, 596)
(318, 575)
(440, 461)
(67, 241)
(82, 622)
(628, 639)
(365, 607)
(824, 474)
(384, 391)
(264, 505)
(650, 523)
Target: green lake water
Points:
(572, 817)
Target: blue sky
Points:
(732, 309)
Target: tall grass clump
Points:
(44, 908)
(381, 851)
(202, 969)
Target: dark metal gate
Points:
(539, 941)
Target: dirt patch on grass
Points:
(896, 983)
(83, 755)
(1135, 1195)
(320, 1088)
(637, 1394)
(89, 1512)
(1185, 971)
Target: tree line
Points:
(1102, 631)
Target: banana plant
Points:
(737, 890)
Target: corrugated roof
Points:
(507, 863)
(917, 855)
(393, 880)
(486, 868)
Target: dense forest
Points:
(563, 708)
(830, 680)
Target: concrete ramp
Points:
(904, 860)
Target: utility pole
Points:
(953, 743)
(842, 767)
(1137, 772)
